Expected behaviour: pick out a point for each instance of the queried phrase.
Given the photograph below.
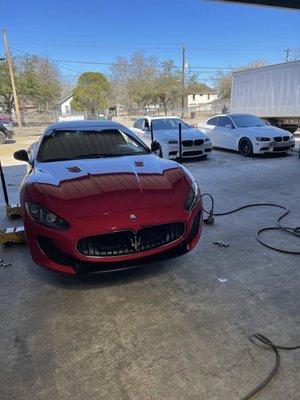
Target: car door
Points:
(210, 128)
(138, 125)
(146, 131)
(225, 133)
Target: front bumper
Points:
(56, 250)
(193, 151)
(274, 147)
(10, 134)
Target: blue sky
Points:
(216, 35)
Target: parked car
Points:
(247, 134)
(97, 199)
(8, 123)
(4, 134)
(195, 143)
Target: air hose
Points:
(276, 349)
(292, 231)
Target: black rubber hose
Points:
(274, 370)
(292, 231)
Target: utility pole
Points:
(12, 79)
(183, 81)
(287, 54)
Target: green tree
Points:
(39, 82)
(6, 96)
(91, 93)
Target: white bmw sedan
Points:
(194, 142)
(247, 134)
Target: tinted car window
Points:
(245, 121)
(66, 145)
(223, 121)
(212, 121)
(139, 123)
(168, 124)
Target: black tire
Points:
(2, 138)
(245, 147)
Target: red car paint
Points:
(98, 196)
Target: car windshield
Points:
(168, 124)
(70, 145)
(245, 121)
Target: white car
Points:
(247, 134)
(166, 131)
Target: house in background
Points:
(206, 96)
(65, 106)
(66, 113)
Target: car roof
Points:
(230, 115)
(162, 117)
(83, 124)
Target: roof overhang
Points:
(292, 4)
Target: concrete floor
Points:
(171, 330)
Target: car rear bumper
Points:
(53, 250)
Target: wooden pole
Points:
(12, 79)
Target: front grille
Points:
(285, 148)
(127, 242)
(286, 138)
(187, 143)
(278, 139)
(192, 153)
(198, 142)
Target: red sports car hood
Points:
(82, 188)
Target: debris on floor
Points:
(222, 244)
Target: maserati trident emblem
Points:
(135, 242)
(132, 217)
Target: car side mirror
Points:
(229, 126)
(155, 147)
(146, 129)
(21, 155)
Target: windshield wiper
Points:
(75, 158)
(83, 156)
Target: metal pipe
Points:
(151, 131)
(180, 144)
(4, 185)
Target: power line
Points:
(111, 63)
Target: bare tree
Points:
(223, 80)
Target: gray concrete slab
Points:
(171, 330)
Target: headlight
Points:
(45, 217)
(191, 197)
(263, 139)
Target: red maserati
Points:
(97, 199)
